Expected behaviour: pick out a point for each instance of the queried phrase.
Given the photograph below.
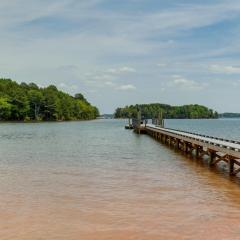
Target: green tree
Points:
(153, 110)
(28, 101)
(5, 109)
(36, 102)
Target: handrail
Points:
(201, 138)
(217, 138)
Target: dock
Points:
(216, 149)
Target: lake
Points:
(97, 181)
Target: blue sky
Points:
(125, 52)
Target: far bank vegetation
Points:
(193, 111)
(26, 102)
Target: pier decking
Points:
(218, 149)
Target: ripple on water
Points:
(95, 180)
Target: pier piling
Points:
(218, 150)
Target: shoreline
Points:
(48, 121)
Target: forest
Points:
(29, 102)
(193, 111)
(229, 115)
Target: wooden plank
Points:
(202, 142)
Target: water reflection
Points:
(95, 180)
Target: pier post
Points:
(139, 117)
(231, 166)
(185, 147)
(177, 143)
(170, 141)
(164, 139)
(129, 122)
(190, 148)
(211, 148)
(138, 125)
(200, 151)
(197, 151)
(160, 119)
(212, 156)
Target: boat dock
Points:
(217, 149)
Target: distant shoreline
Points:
(47, 121)
(87, 120)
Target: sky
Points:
(122, 52)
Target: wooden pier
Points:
(217, 149)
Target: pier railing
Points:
(218, 149)
(203, 135)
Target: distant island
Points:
(229, 115)
(178, 112)
(106, 116)
(26, 102)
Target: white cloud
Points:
(162, 89)
(109, 78)
(235, 83)
(109, 83)
(186, 84)
(111, 43)
(225, 69)
(128, 87)
(127, 69)
(68, 87)
(121, 70)
(176, 76)
(162, 65)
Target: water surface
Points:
(95, 180)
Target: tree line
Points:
(193, 111)
(229, 115)
(26, 102)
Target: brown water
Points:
(96, 181)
